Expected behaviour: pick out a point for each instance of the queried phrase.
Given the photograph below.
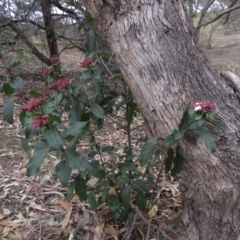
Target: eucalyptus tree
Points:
(155, 45)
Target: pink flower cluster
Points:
(86, 62)
(40, 120)
(47, 71)
(33, 104)
(59, 84)
(203, 106)
(54, 60)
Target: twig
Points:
(148, 231)
(158, 176)
(129, 234)
(108, 70)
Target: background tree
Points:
(210, 11)
(156, 48)
(49, 23)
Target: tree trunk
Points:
(50, 33)
(155, 45)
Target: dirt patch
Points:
(225, 51)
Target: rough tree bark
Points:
(155, 45)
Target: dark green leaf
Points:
(129, 115)
(55, 118)
(173, 138)
(17, 83)
(59, 97)
(97, 75)
(81, 188)
(14, 62)
(35, 94)
(71, 190)
(49, 108)
(80, 27)
(92, 200)
(53, 137)
(86, 75)
(8, 90)
(169, 160)
(72, 144)
(63, 172)
(104, 195)
(178, 161)
(25, 144)
(190, 139)
(196, 124)
(108, 149)
(131, 166)
(97, 110)
(141, 185)
(147, 151)
(186, 118)
(126, 194)
(73, 159)
(124, 180)
(8, 110)
(90, 43)
(169, 140)
(90, 20)
(94, 168)
(141, 200)
(75, 128)
(41, 150)
(113, 200)
(177, 135)
(73, 115)
(22, 116)
(30, 131)
(82, 98)
(207, 137)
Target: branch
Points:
(204, 11)
(57, 4)
(228, 15)
(219, 16)
(30, 45)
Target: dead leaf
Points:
(6, 231)
(68, 208)
(98, 232)
(173, 188)
(37, 206)
(111, 230)
(14, 236)
(153, 211)
(112, 191)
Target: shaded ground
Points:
(37, 207)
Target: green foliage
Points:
(147, 151)
(41, 150)
(190, 127)
(8, 110)
(11, 83)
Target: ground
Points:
(38, 207)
